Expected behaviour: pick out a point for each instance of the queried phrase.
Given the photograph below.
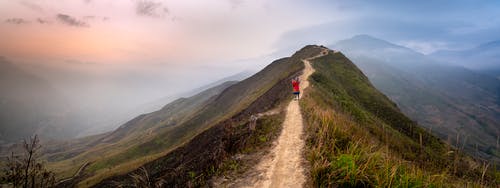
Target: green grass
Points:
(358, 137)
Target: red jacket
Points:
(295, 85)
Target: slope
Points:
(358, 137)
(67, 157)
(232, 107)
(450, 101)
(159, 103)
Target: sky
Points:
(124, 53)
(146, 31)
(214, 31)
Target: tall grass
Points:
(356, 137)
(342, 154)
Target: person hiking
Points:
(296, 89)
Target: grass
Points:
(102, 173)
(343, 154)
(358, 138)
(139, 148)
(267, 130)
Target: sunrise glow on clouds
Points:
(153, 31)
(219, 33)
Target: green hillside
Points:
(210, 152)
(449, 101)
(358, 137)
(153, 137)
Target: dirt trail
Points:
(284, 165)
(78, 173)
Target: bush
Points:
(27, 170)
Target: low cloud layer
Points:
(16, 21)
(151, 8)
(71, 21)
(42, 21)
(32, 6)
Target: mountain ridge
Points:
(343, 113)
(227, 104)
(356, 134)
(448, 100)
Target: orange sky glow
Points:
(113, 32)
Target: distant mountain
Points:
(450, 101)
(159, 103)
(29, 105)
(484, 58)
(235, 77)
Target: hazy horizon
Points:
(110, 56)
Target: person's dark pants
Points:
(296, 93)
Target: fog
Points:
(108, 61)
(106, 96)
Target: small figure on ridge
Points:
(296, 89)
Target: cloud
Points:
(16, 21)
(68, 20)
(235, 3)
(42, 21)
(95, 18)
(425, 47)
(89, 17)
(32, 6)
(151, 8)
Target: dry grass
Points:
(356, 138)
(342, 154)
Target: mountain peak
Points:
(367, 42)
(312, 47)
(365, 37)
(308, 51)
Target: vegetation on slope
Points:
(233, 106)
(358, 137)
(211, 151)
(450, 101)
(66, 158)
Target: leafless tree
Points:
(26, 170)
